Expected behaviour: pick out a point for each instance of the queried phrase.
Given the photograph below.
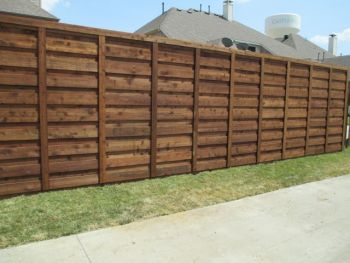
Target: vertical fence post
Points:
(195, 109)
(44, 152)
(328, 108)
(346, 113)
(285, 121)
(307, 144)
(102, 108)
(261, 97)
(230, 112)
(153, 167)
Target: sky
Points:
(319, 17)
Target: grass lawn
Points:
(43, 216)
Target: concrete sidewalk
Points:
(307, 223)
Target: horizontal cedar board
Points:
(73, 131)
(173, 168)
(69, 80)
(19, 151)
(72, 80)
(18, 59)
(244, 159)
(128, 83)
(167, 142)
(122, 49)
(23, 78)
(71, 44)
(64, 166)
(68, 181)
(175, 71)
(19, 133)
(18, 96)
(128, 67)
(127, 174)
(72, 148)
(17, 40)
(71, 97)
(71, 63)
(129, 159)
(19, 187)
(175, 55)
(60, 114)
(17, 169)
(17, 114)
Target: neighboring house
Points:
(206, 27)
(29, 8)
(341, 61)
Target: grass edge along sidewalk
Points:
(50, 215)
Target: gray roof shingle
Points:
(341, 61)
(192, 25)
(306, 48)
(24, 8)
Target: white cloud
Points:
(49, 5)
(322, 40)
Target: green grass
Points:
(43, 216)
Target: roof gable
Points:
(24, 8)
(193, 25)
(306, 48)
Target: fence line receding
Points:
(85, 107)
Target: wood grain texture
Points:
(82, 106)
(197, 62)
(328, 109)
(102, 109)
(260, 116)
(285, 122)
(346, 108)
(154, 111)
(230, 112)
(44, 155)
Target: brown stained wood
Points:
(197, 62)
(261, 97)
(285, 124)
(328, 106)
(308, 123)
(44, 155)
(102, 108)
(346, 113)
(230, 113)
(187, 124)
(154, 106)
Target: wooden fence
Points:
(82, 106)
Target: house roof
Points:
(306, 48)
(24, 8)
(341, 61)
(193, 25)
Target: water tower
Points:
(278, 26)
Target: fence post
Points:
(230, 112)
(308, 111)
(195, 109)
(153, 167)
(261, 97)
(285, 121)
(346, 112)
(328, 108)
(44, 152)
(102, 108)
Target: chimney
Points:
(36, 2)
(332, 44)
(228, 10)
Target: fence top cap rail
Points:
(54, 25)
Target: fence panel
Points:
(82, 106)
